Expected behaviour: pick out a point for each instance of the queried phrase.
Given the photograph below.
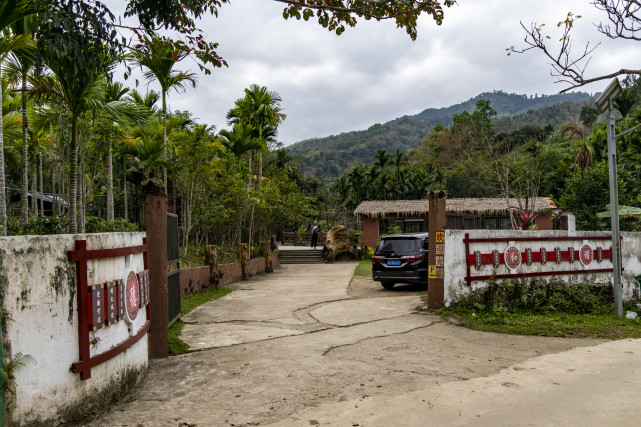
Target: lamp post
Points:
(604, 103)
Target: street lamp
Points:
(604, 103)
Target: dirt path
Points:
(303, 339)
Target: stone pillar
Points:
(266, 251)
(243, 258)
(211, 259)
(436, 228)
(156, 228)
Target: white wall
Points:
(38, 293)
(456, 267)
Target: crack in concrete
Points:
(379, 336)
(304, 311)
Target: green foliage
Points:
(56, 224)
(94, 224)
(330, 156)
(537, 297)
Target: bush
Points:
(538, 297)
(94, 224)
(59, 224)
(55, 224)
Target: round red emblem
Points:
(512, 258)
(132, 296)
(586, 254)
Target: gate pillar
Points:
(436, 228)
(156, 228)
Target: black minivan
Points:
(401, 258)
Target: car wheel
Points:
(388, 285)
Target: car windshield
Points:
(400, 245)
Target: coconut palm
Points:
(584, 154)
(11, 11)
(159, 55)
(261, 109)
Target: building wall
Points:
(38, 294)
(456, 266)
(544, 221)
(370, 231)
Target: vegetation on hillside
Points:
(478, 156)
(330, 156)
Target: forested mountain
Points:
(330, 156)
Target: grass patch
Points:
(552, 324)
(545, 309)
(176, 345)
(364, 268)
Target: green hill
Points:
(330, 156)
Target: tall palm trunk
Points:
(164, 135)
(73, 175)
(110, 182)
(25, 155)
(42, 186)
(3, 192)
(54, 203)
(125, 187)
(34, 192)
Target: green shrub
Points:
(94, 224)
(537, 297)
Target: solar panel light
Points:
(611, 92)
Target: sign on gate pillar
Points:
(436, 256)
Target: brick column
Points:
(156, 228)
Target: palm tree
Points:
(11, 11)
(584, 154)
(24, 61)
(159, 55)
(261, 109)
(241, 140)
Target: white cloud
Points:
(374, 72)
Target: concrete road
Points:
(308, 345)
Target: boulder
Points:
(341, 243)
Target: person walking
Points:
(315, 230)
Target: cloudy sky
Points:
(374, 72)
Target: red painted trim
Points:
(467, 251)
(488, 258)
(80, 256)
(82, 366)
(82, 296)
(537, 239)
(541, 273)
(105, 253)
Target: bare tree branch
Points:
(625, 23)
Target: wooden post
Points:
(243, 258)
(211, 259)
(266, 251)
(156, 228)
(436, 228)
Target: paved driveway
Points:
(308, 345)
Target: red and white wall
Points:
(38, 297)
(544, 255)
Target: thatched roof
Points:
(483, 207)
